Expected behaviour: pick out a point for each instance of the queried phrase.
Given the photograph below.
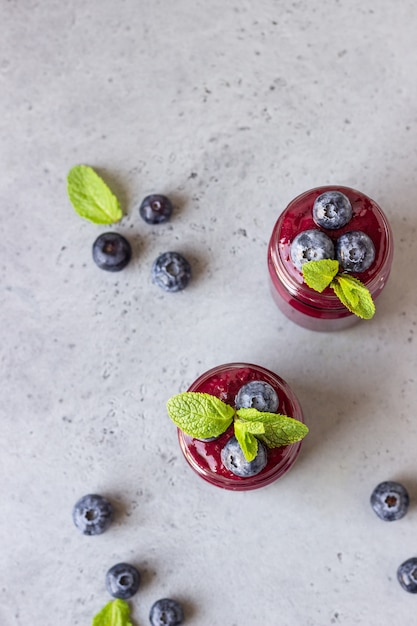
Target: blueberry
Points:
(390, 501)
(171, 271)
(166, 612)
(92, 514)
(311, 245)
(257, 395)
(122, 581)
(111, 252)
(234, 460)
(355, 251)
(332, 210)
(407, 575)
(156, 209)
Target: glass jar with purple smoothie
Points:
(219, 460)
(328, 223)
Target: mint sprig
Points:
(245, 434)
(351, 292)
(278, 430)
(354, 295)
(91, 197)
(319, 274)
(114, 613)
(202, 416)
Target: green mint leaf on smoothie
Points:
(319, 274)
(200, 415)
(351, 292)
(244, 433)
(354, 295)
(91, 197)
(280, 430)
(115, 613)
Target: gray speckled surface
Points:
(231, 108)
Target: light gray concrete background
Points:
(231, 108)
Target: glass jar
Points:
(204, 456)
(300, 303)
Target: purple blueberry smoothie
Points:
(204, 456)
(300, 303)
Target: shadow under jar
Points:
(301, 304)
(204, 456)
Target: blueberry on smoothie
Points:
(234, 460)
(332, 210)
(122, 581)
(171, 271)
(92, 514)
(166, 612)
(257, 395)
(311, 245)
(390, 501)
(407, 575)
(156, 209)
(355, 251)
(111, 252)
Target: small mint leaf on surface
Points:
(280, 430)
(114, 613)
(200, 415)
(244, 433)
(91, 197)
(319, 274)
(354, 295)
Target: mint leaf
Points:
(115, 613)
(280, 430)
(200, 415)
(91, 197)
(354, 295)
(244, 433)
(351, 292)
(319, 274)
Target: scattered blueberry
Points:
(390, 501)
(257, 395)
(166, 612)
(311, 245)
(407, 575)
(332, 210)
(122, 581)
(92, 514)
(111, 252)
(234, 460)
(355, 251)
(171, 271)
(156, 209)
